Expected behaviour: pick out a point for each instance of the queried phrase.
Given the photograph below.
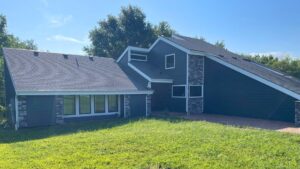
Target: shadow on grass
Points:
(26, 134)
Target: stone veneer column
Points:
(297, 113)
(196, 77)
(22, 107)
(59, 109)
(126, 106)
(148, 104)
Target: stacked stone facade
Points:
(59, 109)
(148, 104)
(126, 105)
(22, 108)
(297, 113)
(196, 77)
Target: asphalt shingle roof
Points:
(274, 76)
(54, 72)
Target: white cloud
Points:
(277, 54)
(58, 21)
(63, 38)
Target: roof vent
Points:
(35, 53)
(65, 56)
(246, 59)
(91, 58)
(233, 57)
(221, 55)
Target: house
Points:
(177, 73)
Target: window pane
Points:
(139, 57)
(170, 61)
(69, 105)
(99, 104)
(85, 104)
(179, 91)
(195, 91)
(113, 103)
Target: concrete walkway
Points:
(243, 121)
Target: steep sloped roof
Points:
(54, 72)
(274, 76)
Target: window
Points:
(178, 91)
(112, 103)
(138, 57)
(196, 91)
(170, 61)
(69, 105)
(84, 104)
(99, 104)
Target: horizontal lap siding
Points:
(229, 92)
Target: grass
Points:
(147, 143)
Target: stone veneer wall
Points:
(59, 109)
(126, 106)
(22, 108)
(148, 104)
(196, 77)
(23, 116)
(297, 113)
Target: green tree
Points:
(129, 28)
(220, 44)
(9, 40)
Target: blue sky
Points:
(256, 26)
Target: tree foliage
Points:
(220, 44)
(286, 64)
(9, 40)
(129, 28)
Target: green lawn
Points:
(147, 143)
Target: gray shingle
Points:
(262, 71)
(53, 72)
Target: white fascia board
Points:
(27, 93)
(174, 44)
(132, 48)
(255, 77)
(161, 81)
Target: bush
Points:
(2, 114)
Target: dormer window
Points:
(138, 57)
(170, 61)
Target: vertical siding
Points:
(229, 92)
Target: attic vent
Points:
(246, 59)
(36, 53)
(65, 56)
(221, 55)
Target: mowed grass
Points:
(147, 143)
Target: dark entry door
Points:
(40, 110)
(161, 97)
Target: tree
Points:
(220, 44)
(129, 28)
(9, 40)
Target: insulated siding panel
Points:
(137, 105)
(229, 92)
(40, 110)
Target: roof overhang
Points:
(77, 92)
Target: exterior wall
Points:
(126, 105)
(156, 57)
(196, 77)
(59, 109)
(229, 92)
(9, 95)
(148, 104)
(297, 113)
(137, 105)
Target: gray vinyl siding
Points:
(156, 57)
(137, 105)
(231, 93)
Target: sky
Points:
(248, 27)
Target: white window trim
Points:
(92, 102)
(137, 54)
(179, 96)
(195, 96)
(166, 56)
